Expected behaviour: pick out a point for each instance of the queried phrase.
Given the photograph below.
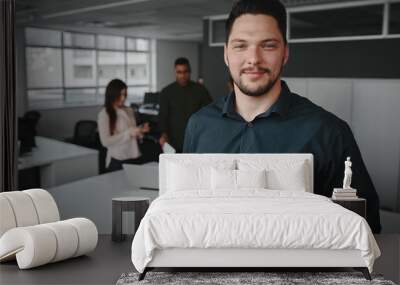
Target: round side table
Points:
(139, 205)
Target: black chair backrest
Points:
(33, 116)
(27, 130)
(85, 133)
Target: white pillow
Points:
(281, 174)
(251, 178)
(292, 179)
(184, 175)
(225, 179)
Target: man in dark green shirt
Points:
(178, 101)
(261, 115)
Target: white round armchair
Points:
(31, 230)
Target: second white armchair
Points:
(31, 231)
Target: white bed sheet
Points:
(251, 218)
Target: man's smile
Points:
(255, 73)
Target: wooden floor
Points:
(110, 260)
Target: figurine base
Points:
(348, 190)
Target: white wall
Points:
(167, 52)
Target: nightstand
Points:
(357, 205)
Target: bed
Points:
(245, 211)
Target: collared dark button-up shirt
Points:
(293, 124)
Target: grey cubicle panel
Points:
(297, 85)
(335, 95)
(371, 108)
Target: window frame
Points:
(98, 97)
(329, 6)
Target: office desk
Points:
(60, 162)
(92, 198)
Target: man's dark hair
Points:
(182, 61)
(273, 8)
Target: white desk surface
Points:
(92, 197)
(130, 199)
(51, 150)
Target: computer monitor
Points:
(151, 98)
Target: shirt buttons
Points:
(250, 125)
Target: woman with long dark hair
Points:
(117, 128)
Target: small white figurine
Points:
(347, 174)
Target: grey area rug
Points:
(232, 278)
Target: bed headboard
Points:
(210, 158)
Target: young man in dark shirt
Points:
(178, 101)
(261, 115)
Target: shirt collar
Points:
(228, 107)
(280, 107)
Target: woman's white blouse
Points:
(120, 145)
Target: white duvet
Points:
(252, 218)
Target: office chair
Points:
(85, 133)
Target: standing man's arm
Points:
(188, 140)
(163, 117)
(205, 98)
(361, 180)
